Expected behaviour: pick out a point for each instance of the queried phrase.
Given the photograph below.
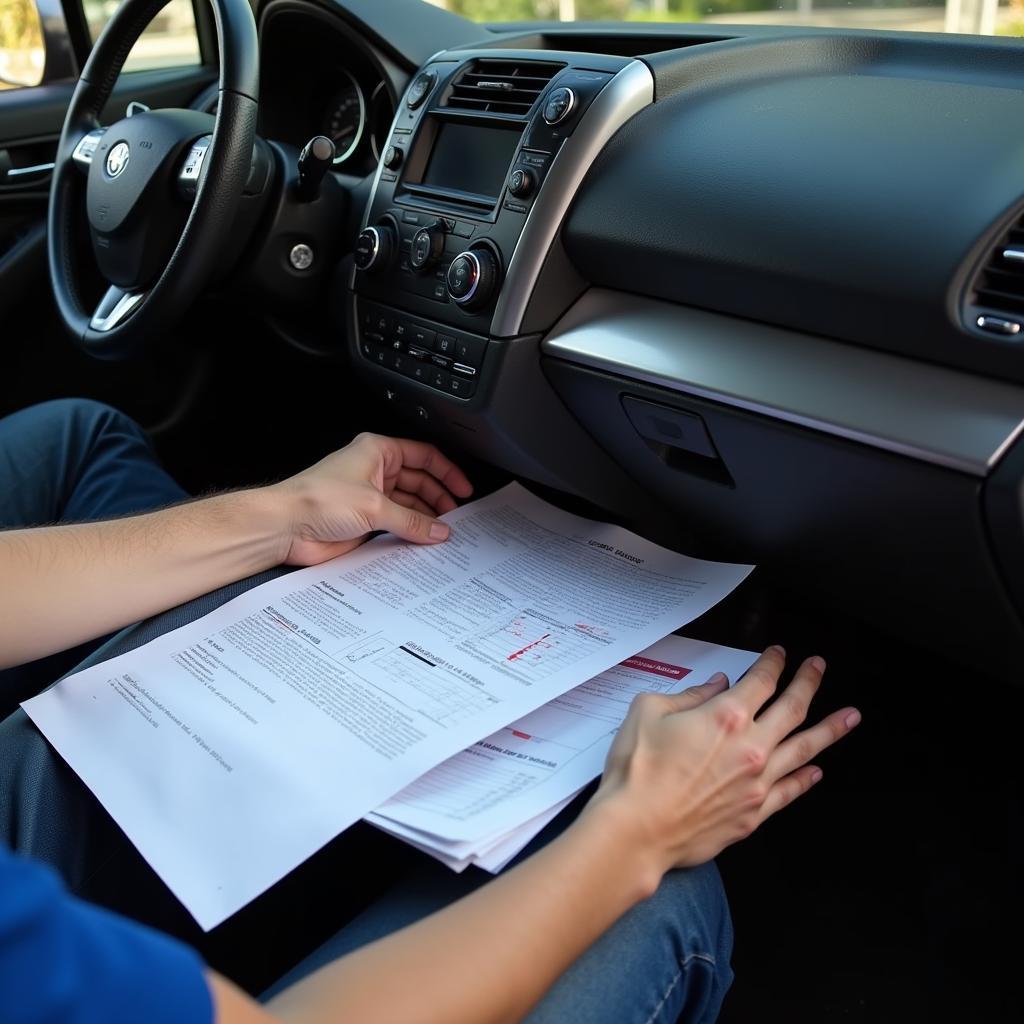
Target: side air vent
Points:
(999, 287)
(500, 86)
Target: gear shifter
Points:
(315, 161)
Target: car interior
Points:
(754, 291)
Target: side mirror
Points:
(22, 45)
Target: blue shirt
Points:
(63, 961)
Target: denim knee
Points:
(666, 960)
(85, 415)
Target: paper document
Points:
(486, 796)
(233, 748)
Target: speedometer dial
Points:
(346, 118)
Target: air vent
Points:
(500, 86)
(1000, 285)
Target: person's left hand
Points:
(374, 483)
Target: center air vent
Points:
(500, 86)
(999, 287)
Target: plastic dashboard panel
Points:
(843, 185)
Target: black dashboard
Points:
(770, 280)
(319, 79)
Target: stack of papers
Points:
(486, 803)
(233, 748)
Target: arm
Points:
(687, 775)
(66, 584)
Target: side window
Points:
(22, 51)
(169, 41)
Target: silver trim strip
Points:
(15, 172)
(626, 94)
(942, 416)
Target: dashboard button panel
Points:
(439, 357)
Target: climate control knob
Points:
(427, 246)
(473, 278)
(375, 248)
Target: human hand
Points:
(693, 772)
(374, 483)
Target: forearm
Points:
(62, 585)
(491, 956)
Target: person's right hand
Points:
(692, 772)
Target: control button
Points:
(402, 331)
(443, 361)
(418, 353)
(408, 217)
(440, 379)
(393, 158)
(461, 387)
(997, 325)
(515, 207)
(446, 344)
(301, 257)
(398, 361)
(374, 336)
(473, 277)
(379, 355)
(422, 412)
(419, 371)
(470, 351)
(366, 348)
(427, 246)
(534, 159)
(462, 229)
(466, 371)
(441, 292)
(381, 324)
(463, 275)
(559, 105)
(375, 248)
(420, 89)
(422, 337)
(522, 182)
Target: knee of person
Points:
(691, 906)
(86, 415)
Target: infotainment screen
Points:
(471, 158)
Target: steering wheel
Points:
(160, 189)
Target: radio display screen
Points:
(471, 158)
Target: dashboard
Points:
(769, 284)
(318, 79)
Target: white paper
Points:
(233, 748)
(544, 758)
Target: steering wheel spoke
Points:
(86, 149)
(114, 308)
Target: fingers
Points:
(694, 696)
(407, 522)
(402, 453)
(431, 490)
(787, 789)
(760, 681)
(789, 710)
(407, 500)
(807, 744)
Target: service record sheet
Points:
(233, 748)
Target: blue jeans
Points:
(665, 960)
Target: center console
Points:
(484, 156)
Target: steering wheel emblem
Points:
(117, 159)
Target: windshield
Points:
(982, 17)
